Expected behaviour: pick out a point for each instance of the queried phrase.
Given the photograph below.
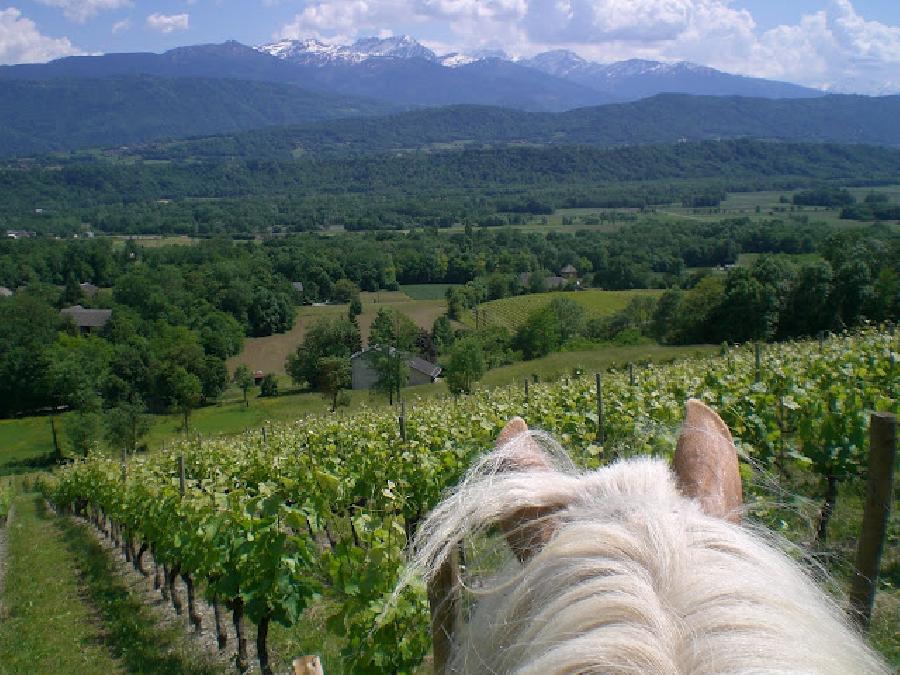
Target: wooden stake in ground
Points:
(882, 458)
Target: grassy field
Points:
(563, 364)
(269, 353)
(426, 291)
(512, 312)
(24, 443)
(66, 611)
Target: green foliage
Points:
(269, 386)
(345, 291)
(442, 333)
(243, 378)
(391, 368)
(465, 365)
(333, 377)
(256, 514)
(328, 337)
(126, 424)
(539, 335)
(393, 328)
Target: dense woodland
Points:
(180, 311)
(492, 186)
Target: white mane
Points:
(635, 579)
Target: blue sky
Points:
(843, 45)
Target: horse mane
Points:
(627, 575)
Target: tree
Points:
(539, 335)
(269, 312)
(333, 377)
(269, 386)
(184, 390)
(221, 335)
(442, 333)
(808, 306)
(27, 328)
(355, 308)
(76, 367)
(243, 378)
(465, 365)
(345, 291)
(392, 369)
(393, 328)
(570, 317)
(126, 424)
(329, 336)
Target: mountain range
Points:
(202, 90)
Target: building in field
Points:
(363, 375)
(89, 289)
(87, 321)
(569, 273)
(5, 292)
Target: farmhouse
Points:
(19, 234)
(5, 292)
(86, 320)
(298, 287)
(89, 289)
(569, 272)
(363, 375)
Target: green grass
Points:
(512, 312)
(25, 443)
(427, 291)
(563, 364)
(68, 612)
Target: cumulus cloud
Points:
(82, 10)
(121, 26)
(834, 48)
(168, 23)
(22, 42)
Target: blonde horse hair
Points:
(633, 568)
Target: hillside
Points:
(38, 117)
(667, 118)
(511, 313)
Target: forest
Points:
(484, 186)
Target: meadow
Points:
(510, 313)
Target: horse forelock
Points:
(635, 578)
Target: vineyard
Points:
(271, 522)
(510, 313)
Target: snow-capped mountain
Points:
(624, 80)
(639, 78)
(314, 52)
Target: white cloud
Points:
(22, 42)
(121, 26)
(82, 10)
(168, 23)
(833, 48)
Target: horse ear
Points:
(706, 463)
(528, 528)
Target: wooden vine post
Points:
(882, 459)
(526, 391)
(444, 600)
(402, 421)
(601, 435)
(757, 349)
(631, 374)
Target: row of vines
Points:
(267, 523)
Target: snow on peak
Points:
(312, 51)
